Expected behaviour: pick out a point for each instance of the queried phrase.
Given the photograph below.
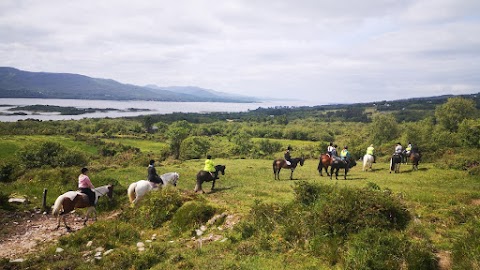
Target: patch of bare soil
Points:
(24, 233)
(444, 260)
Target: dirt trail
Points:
(24, 233)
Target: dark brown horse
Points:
(280, 163)
(204, 176)
(415, 158)
(70, 200)
(339, 163)
(325, 162)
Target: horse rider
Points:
(371, 152)
(153, 177)
(345, 155)
(399, 150)
(330, 149)
(408, 150)
(85, 186)
(334, 151)
(288, 158)
(210, 166)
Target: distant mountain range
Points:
(15, 83)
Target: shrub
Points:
(7, 171)
(155, 208)
(191, 215)
(374, 249)
(194, 147)
(51, 154)
(308, 194)
(346, 211)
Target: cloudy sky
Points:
(314, 50)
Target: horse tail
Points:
(131, 191)
(57, 206)
(274, 166)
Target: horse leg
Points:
(336, 173)
(291, 174)
(345, 176)
(331, 172)
(213, 185)
(326, 170)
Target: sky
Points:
(313, 50)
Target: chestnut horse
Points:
(70, 200)
(280, 163)
(325, 162)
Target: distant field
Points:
(10, 144)
(143, 145)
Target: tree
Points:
(176, 133)
(450, 114)
(383, 128)
(194, 147)
(469, 132)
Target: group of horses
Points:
(70, 200)
(336, 163)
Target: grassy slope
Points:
(431, 195)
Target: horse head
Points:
(110, 191)
(220, 168)
(302, 160)
(352, 162)
(175, 178)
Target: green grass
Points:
(143, 145)
(11, 144)
(431, 194)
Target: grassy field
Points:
(437, 199)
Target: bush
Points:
(194, 147)
(308, 194)
(51, 154)
(347, 211)
(191, 215)
(7, 171)
(155, 208)
(374, 249)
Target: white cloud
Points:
(325, 51)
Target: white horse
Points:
(367, 162)
(138, 189)
(70, 200)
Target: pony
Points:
(204, 176)
(367, 162)
(325, 161)
(415, 158)
(280, 163)
(395, 162)
(138, 189)
(338, 163)
(70, 200)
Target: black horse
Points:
(395, 162)
(204, 176)
(280, 163)
(338, 163)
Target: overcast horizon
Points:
(318, 51)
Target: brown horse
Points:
(325, 162)
(280, 163)
(74, 199)
(204, 176)
(415, 158)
